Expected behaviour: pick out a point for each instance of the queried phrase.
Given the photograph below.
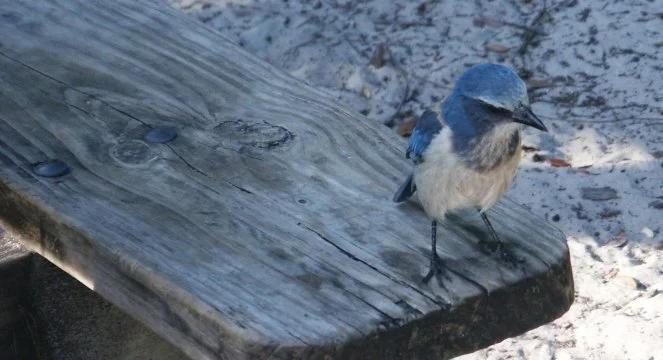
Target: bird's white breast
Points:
(445, 183)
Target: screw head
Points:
(161, 134)
(51, 168)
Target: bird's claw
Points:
(436, 269)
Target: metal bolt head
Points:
(51, 168)
(160, 135)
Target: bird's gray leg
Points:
(436, 265)
(491, 229)
(496, 245)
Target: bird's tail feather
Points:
(405, 191)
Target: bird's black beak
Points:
(524, 115)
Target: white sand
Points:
(601, 77)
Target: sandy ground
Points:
(596, 78)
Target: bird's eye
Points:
(497, 110)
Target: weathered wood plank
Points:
(265, 229)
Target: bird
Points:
(467, 153)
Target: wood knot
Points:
(242, 135)
(132, 153)
(161, 135)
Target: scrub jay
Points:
(467, 155)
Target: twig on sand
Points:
(529, 36)
(491, 21)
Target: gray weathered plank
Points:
(265, 229)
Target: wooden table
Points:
(265, 228)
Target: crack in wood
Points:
(391, 321)
(31, 68)
(299, 338)
(187, 163)
(351, 256)
(407, 308)
(469, 280)
(240, 188)
(194, 168)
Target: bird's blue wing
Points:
(428, 126)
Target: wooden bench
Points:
(14, 267)
(265, 228)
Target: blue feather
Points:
(428, 126)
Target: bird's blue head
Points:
(486, 96)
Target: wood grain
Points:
(265, 228)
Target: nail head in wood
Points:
(51, 168)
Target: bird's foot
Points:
(499, 249)
(436, 269)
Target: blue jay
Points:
(467, 155)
